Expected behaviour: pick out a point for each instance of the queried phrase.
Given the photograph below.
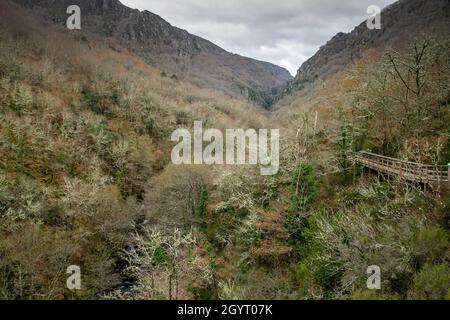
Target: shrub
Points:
(431, 283)
(101, 97)
(303, 187)
(18, 97)
(165, 267)
(430, 245)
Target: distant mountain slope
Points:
(401, 22)
(171, 49)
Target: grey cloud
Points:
(284, 32)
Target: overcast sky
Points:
(284, 32)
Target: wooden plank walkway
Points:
(405, 170)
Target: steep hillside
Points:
(174, 51)
(84, 131)
(400, 22)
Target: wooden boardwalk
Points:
(404, 170)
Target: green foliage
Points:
(431, 283)
(93, 101)
(317, 267)
(202, 203)
(431, 244)
(346, 148)
(303, 187)
(160, 256)
(101, 97)
(303, 190)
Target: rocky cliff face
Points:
(174, 51)
(400, 21)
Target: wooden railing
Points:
(405, 170)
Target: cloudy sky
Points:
(284, 32)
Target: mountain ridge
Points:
(400, 21)
(173, 50)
